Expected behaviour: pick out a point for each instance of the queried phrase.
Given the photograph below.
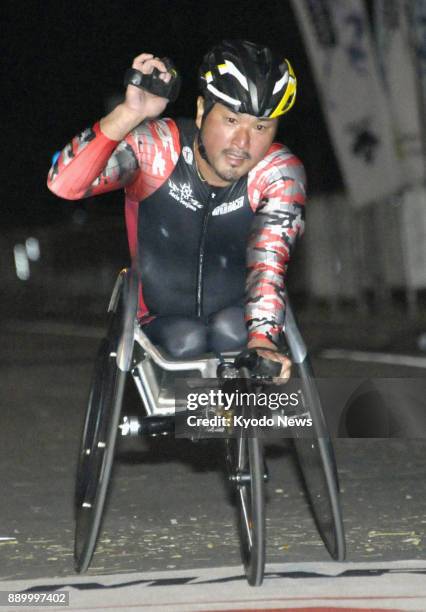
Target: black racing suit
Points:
(206, 255)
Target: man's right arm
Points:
(104, 158)
(91, 164)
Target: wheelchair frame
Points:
(244, 455)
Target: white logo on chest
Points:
(188, 156)
(182, 193)
(228, 207)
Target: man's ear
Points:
(200, 111)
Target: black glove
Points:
(258, 366)
(153, 84)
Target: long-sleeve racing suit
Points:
(199, 248)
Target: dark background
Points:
(62, 61)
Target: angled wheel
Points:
(316, 454)
(99, 434)
(92, 422)
(244, 457)
(318, 465)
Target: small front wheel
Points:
(246, 471)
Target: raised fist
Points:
(139, 100)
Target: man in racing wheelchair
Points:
(213, 207)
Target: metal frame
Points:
(150, 373)
(153, 374)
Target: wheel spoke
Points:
(246, 521)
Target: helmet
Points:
(247, 78)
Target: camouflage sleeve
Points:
(277, 193)
(92, 164)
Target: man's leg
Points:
(227, 330)
(180, 337)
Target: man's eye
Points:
(231, 120)
(260, 127)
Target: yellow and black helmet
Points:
(248, 78)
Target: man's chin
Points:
(230, 174)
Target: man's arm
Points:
(279, 220)
(92, 164)
(96, 161)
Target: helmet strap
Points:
(201, 147)
(208, 105)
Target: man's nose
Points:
(241, 138)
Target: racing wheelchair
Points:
(126, 351)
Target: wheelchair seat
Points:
(156, 373)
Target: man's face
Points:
(234, 142)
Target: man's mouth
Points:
(236, 158)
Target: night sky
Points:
(62, 60)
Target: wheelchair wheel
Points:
(97, 453)
(318, 466)
(244, 456)
(90, 423)
(100, 429)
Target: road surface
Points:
(169, 507)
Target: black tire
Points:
(97, 454)
(101, 426)
(318, 466)
(91, 422)
(246, 469)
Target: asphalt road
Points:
(169, 507)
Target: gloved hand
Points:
(263, 363)
(163, 80)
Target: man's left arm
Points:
(279, 220)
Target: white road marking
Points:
(53, 328)
(369, 357)
(400, 585)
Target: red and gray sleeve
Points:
(92, 164)
(277, 193)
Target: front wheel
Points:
(246, 472)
